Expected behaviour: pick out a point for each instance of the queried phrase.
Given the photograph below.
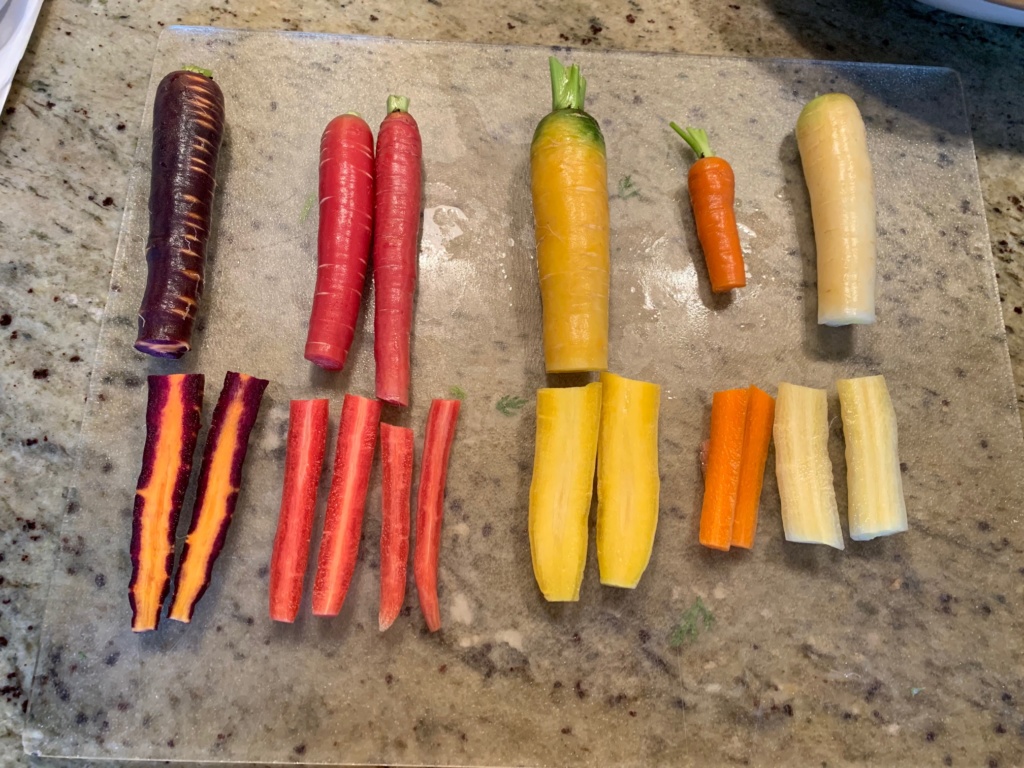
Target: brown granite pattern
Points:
(68, 134)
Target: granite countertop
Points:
(68, 136)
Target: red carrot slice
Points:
(398, 179)
(339, 546)
(437, 446)
(188, 125)
(722, 477)
(219, 481)
(172, 424)
(396, 449)
(757, 436)
(343, 243)
(304, 460)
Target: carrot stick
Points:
(712, 195)
(343, 522)
(304, 460)
(722, 479)
(396, 452)
(437, 446)
(757, 436)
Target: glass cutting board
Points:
(812, 654)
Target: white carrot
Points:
(803, 468)
(833, 148)
(873, 476)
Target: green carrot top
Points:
(199, 71)
(697, 139)
(568, 86)
(398, 104)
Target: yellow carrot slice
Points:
(627, 479)
(876, 505)
(563, 482)
(803, 468)
(834, 152)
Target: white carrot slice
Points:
(873, 476)
(833, 148)
(803, 468)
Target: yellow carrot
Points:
(627, 479)
(563, 482)
(569, 181)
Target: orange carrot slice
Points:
(219, 481)
(757, 436)
(172, 424)
(722, 479)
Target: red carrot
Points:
(339, 547)
(307, 442)
(396, 449)
(343, 243)
(430, 505)
(722, 477)
(399, 154)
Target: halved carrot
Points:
(343, 525)
(304, 460)
(220, 480)
(396, 451)
(757, 436)
(722, 479)
(437, 446)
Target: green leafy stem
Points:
(696, 619)
(509, 404)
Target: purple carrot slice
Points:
(188, 125)
(172, 425)
(219, 481)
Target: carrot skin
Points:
(712, 187)
(343, 526)
(220, 478)
(757, 436)
(396, 450)
(437, 445)
(721, 481)
(188, 126)
(343, 240)
(396, 226)
(304, 460)
(172, 426)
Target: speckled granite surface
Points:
(67, 138)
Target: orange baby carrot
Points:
(757, 435)
(712, 195)
(722, 479)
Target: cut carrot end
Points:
(721, 481)
(757, 436)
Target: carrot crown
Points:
(697, 139)
(398, 104)
(568, 86)
(199, 71)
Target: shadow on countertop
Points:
(988, 57)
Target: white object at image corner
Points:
(17, 19)
(1009, 12)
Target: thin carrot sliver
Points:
(722, 479)
(757, 436)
